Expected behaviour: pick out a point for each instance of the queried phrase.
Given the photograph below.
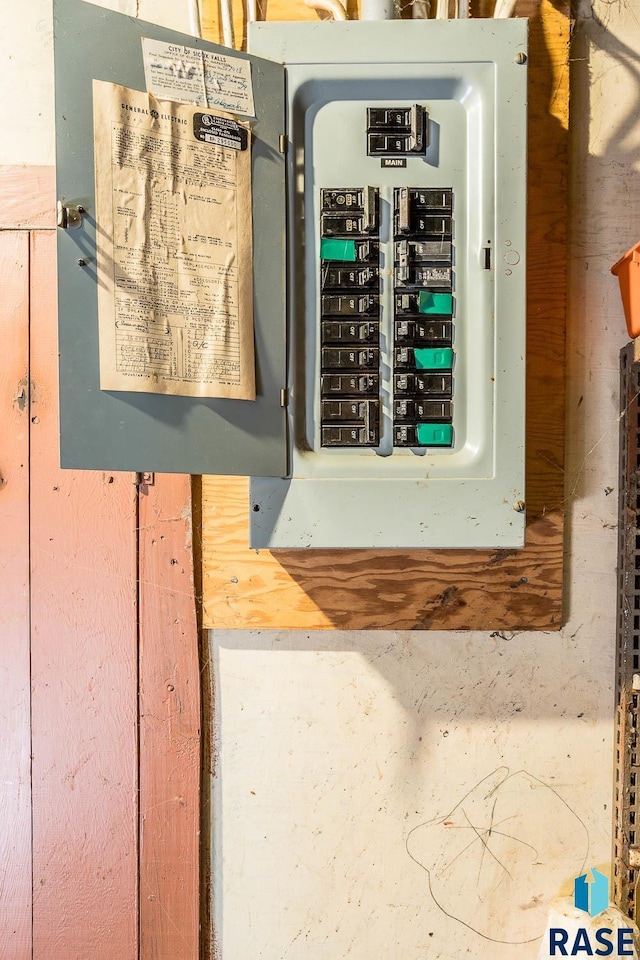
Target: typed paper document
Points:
(173, 230)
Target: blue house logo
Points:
(591, 894)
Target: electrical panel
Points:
(406, 172)
(388, 208)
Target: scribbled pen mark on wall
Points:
(494, 862)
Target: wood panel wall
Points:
(15, 704)
(491, 590)
(100, 785)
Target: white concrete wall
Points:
(358, 774)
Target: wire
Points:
(504, 9)
(226, 18)
(195, 25)
(378, 10)
(334, 7)
(420, 9)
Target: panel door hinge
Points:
(283, 143)
(69, 215)
(284, 397)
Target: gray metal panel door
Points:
(138, 431)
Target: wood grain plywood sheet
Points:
(492, 590)
(15, 706)
(84, 676)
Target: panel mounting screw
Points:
(82, 263)
(519, 506)
(520, 57)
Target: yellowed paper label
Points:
(173, 226)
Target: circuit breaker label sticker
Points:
(223, 131)
(184, 74)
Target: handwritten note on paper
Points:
(227, 81)
(173, 213)
(190, 75)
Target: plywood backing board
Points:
(493, 590)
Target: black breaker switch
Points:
(335, 436)
(349, 211)
(343, 225)
(341, 384)
(420, 212)
(345, 276)
(423, 332)
(397, 131)
(418, 409)
(347, 423)
(341, 331)
(348, 305)
(337, 358)
(427, 385)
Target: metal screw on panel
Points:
(519, 506)
(80, 208)
(82, 263)
(520, 57)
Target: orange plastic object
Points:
(627, 270)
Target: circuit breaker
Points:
(388, 177)
(406, 319)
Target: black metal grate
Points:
(626, 848)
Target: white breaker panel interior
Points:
(406, 285)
